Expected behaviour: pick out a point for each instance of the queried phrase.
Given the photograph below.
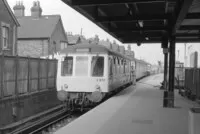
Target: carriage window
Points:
(114, 61)
(97, 66)
(111, 66)
(67, 66)
(81, 66)
(121, 65)
(124, 66)
(116, 65)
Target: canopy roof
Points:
(143, 21)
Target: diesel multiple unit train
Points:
(86, 73)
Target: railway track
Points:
(54, 121)
(40, 125)
(48, 124)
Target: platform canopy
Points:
(143, 21)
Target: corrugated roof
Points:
(42, 27)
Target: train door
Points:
(111, 71)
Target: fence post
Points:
(28, 83)
(16, 75)
(55, 75)
(47, 66)
(39, 74)
(2, 76)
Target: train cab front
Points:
(82, 78)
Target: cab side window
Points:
(67, 66)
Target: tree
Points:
(129, 47)
(159, 63)
(107, 40)
(96, 39)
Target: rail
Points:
(43, 123)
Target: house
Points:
(8, 30)
(75, 39)
(39, 35)
(192, 55)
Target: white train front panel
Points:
(83, 73)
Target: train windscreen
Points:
(67, 66)
(97, 66)
(81, 66)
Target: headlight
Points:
(98, 88)
(65, 86)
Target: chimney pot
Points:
(19, 9)
(36, 10)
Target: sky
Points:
(74, 22)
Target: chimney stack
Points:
(19, 9)
(36, 10)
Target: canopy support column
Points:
(171, 72)
(164, 45)
(165, 68)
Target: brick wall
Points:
(39, 48)
(33, 48)
(57, 37)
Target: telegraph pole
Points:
(185, 57)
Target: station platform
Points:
(136, 110)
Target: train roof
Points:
(142, 61)
(91, 48)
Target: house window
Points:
(5, 36)
(63, 45)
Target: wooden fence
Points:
(21, 75)
(192, 82)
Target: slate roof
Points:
(10, 12)
(41, 27)
(105, 43)
(73, 39)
